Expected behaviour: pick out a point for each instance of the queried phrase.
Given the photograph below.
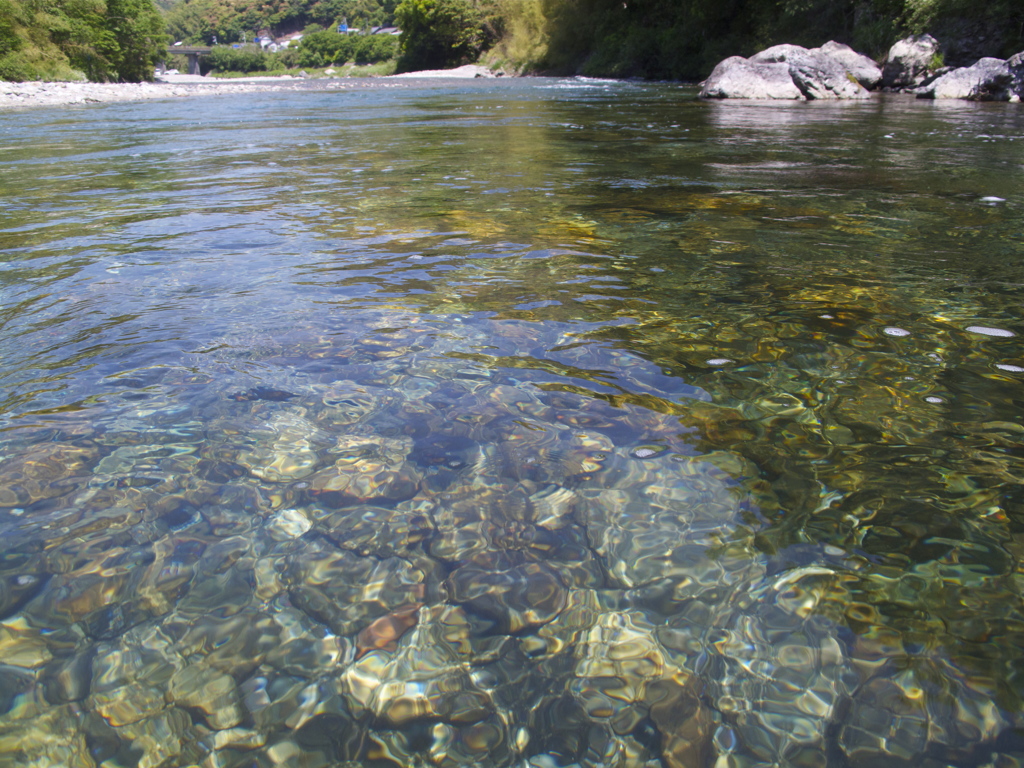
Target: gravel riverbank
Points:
(13, 95)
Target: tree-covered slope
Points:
(230, 21)
(685, 38)
(102, 40)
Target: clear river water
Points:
(525, 423)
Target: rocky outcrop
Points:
(783, 72)
(987, 80)
(836, 71)
(816, 74)
(909, 62)
(738, 78)
(868, 73)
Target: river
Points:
(523, 423)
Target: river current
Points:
(511, 423)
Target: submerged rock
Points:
(909, 61)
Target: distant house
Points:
(385, 31)
(285, 40)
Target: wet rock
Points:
(469, 517)
(15, 683)
(310, 655)
(738, 78)
(285, 449)
(69, 679)
(348, 403)
(381, 531)
(233, 645)
(161, 738)
(130, 676)
(288, 524)
(864, 69)
(44, 471)
(22, 645)
(384, 633)
(17, 589)
(346, 592)
(333, 734)
(52, 737)
(212, 694)
(775, 667)
(239, 738)
(365, 468)
(677, 520)
(617, 659)
(909, 61)
(929, 706)
(683, 722)
(426, 679)
(515, 596)
(986, 80)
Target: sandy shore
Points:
(13, 95)
(466, 71)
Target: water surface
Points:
(511, 423)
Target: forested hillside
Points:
(683, 39)
(664, 39)
(102, 40)
(231, 21)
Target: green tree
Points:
(439, 33)
(139, 39)
(320, 49)
(72, 39)
(371, 49)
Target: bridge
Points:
(193, 52)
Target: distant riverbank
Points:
(13, 95)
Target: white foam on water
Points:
(718, 361)
(894, 331)
(933, 399)
(1010, 368)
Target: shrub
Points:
(371, 49)
(439, 33)
(224, 58)
(321, 49)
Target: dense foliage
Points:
(232, 21)
(102, 40)
(685, 38)
(439, 33)
(321, 49)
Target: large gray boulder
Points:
(909, 61)
(868, 73)
(779, 53)
(816, 74)
(738, 78)
(986, 80)
(782, 72)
